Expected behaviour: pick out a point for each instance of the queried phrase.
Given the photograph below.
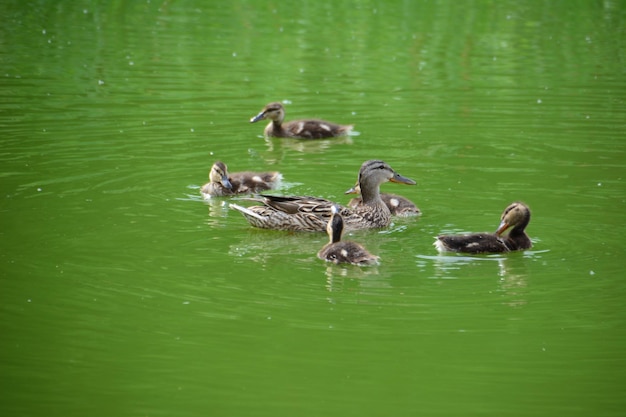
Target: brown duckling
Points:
(341, 251)
(221, 183)
(398, 205)
(300, 129)
(311, 214)
(515, 217)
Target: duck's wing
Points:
(347, 252)
(471, 243)
(267, 217)
(315, 129)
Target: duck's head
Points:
(516, 215)
(375, 172)
(334, 228)
(219, 173)
(273, 111)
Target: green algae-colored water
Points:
(123, 293)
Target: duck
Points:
(515, 217)
(397, 205)
(311, 214)
(341, 251)
(299, 129)
(221, 183)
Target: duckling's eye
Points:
(381, 167)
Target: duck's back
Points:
(254, 182)
(307, 129)
(347, 252)
(471, 243)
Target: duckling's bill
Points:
(258, 117)
(502, 228)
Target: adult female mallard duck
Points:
(342, 251)
(300, 129)
(221, 183)
(397, 205)
(515, 217)
(312, 214)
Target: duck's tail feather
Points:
(246, 212)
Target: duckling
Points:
(398, 205)
(221, 183)
(338, 251)
(516, 217)
(312, 214)
(300, 129)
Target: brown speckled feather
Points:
(304, 213)
(299, 129)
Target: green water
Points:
(122, 293)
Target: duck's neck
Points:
(335, 228)
(370, 193)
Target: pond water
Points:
(124, 293)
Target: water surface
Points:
(124, 293)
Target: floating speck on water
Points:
(591, 273)
(100, 82)
(29, 300)
(192, 130)
(186, 303)
(234, 54)
(269, 317)
(539, 101)
(43, 31)
(211, 153)
(85, 11)
(599, 184)
(39, 189)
